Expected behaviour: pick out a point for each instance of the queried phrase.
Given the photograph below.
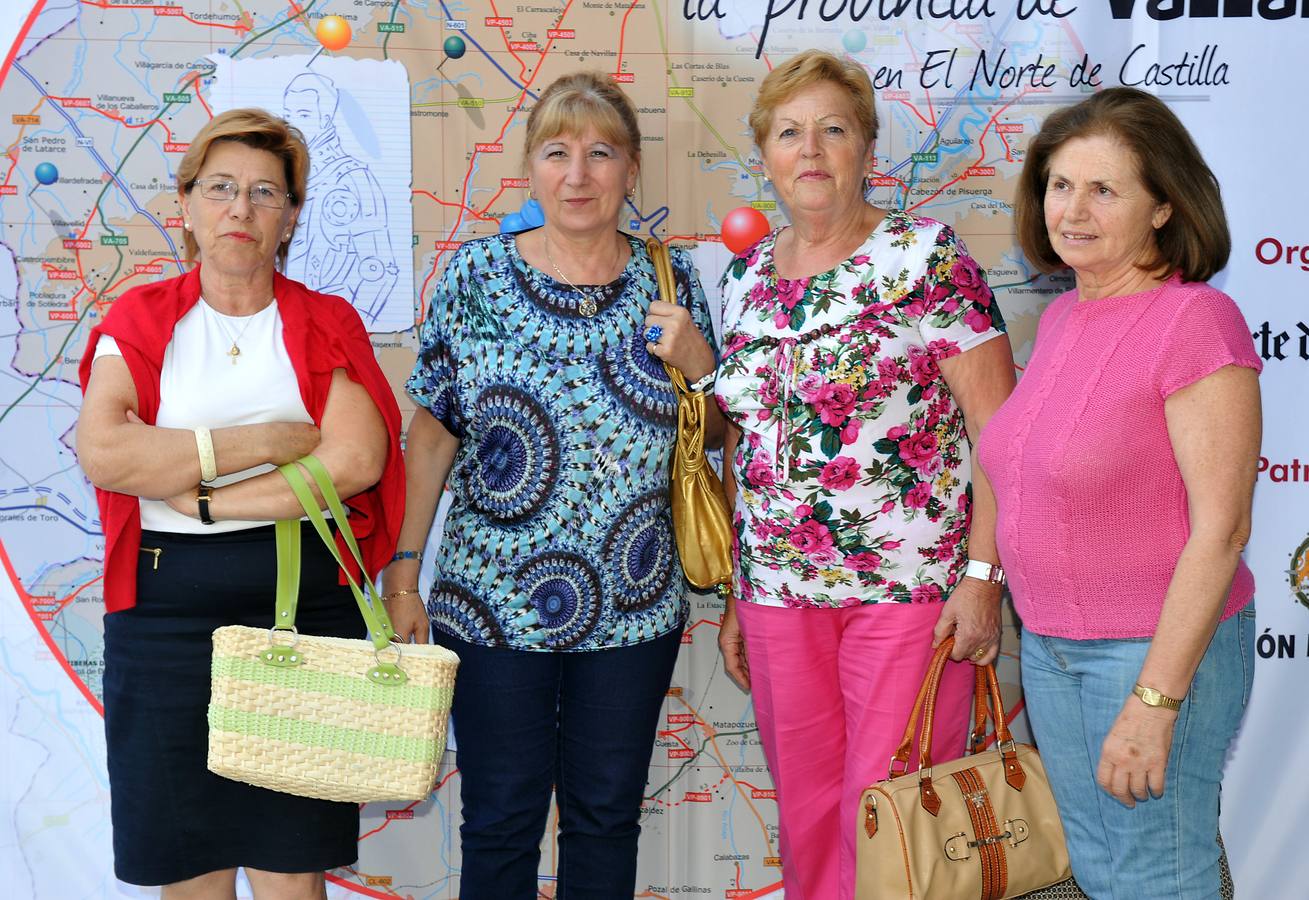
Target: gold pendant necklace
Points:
(235, 350)
(587, 305)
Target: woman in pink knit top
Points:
(1124, 467)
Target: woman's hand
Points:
(1134, 756)
(185, 503)
(404, 603)
(681, 345)
(731, 644)
(409, 618)
(972, 615)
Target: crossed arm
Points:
(121, 453)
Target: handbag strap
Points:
(986, 687)
(663, 267)
(373, 610)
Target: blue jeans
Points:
(1162, 848)
(583, 723)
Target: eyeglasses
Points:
(260, 194)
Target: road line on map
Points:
(113, 175)
(622, 36)
(981, 158)
(472, 160)
(472, 40)
(731, 148)
(100, 4)
(712, 739)
(21, 39)
(522, 66)
(26, 600)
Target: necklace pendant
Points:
(587, 306)
(234, 353)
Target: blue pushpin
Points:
(532, 214)
(46, 173)
(854, 41)
(513, 223)
(454, 48)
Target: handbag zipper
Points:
(157, 551)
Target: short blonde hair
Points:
(581, 100)
(805, 70)
(1195, 240)
(255, 128)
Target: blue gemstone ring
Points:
(653, 334)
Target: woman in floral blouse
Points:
(861, 348)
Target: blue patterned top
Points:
(559, 536)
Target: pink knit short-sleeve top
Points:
(1092, 508)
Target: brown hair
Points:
(1195, 240)
(255, 128)
(806, 70)
(574, 102)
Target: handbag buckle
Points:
(388, 674)
(958, 847)
(1017, 830)
(993, 839)
(279, 655)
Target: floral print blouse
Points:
(853, 471)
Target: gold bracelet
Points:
(394, 594)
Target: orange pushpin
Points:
(333, 32)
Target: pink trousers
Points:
(833, 689)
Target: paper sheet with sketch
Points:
(354, 233)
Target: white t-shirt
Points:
(201, 386)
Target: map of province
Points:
(104, 96)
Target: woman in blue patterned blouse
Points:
(546, 411)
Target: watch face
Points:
(1150, 696)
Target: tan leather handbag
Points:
(701, 525)
(983, 826)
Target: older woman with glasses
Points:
(195, 388)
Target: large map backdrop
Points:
(109, 92)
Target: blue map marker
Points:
(454, 48)
(854, 40)
(532, 214)
(46, 173)
(513, 223)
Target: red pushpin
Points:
(743, 227)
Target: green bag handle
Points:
(373, 610)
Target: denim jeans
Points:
(1161, 848)
(583, 723)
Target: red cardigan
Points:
(322, 333)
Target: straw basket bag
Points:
(324, 717)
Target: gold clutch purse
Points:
(701, 525)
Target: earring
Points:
(631, 194)
(187, 226)
(531, 194)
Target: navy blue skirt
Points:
(172, 818)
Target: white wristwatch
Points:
(988, 572)
(703, 383)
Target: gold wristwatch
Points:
(1151, 697)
